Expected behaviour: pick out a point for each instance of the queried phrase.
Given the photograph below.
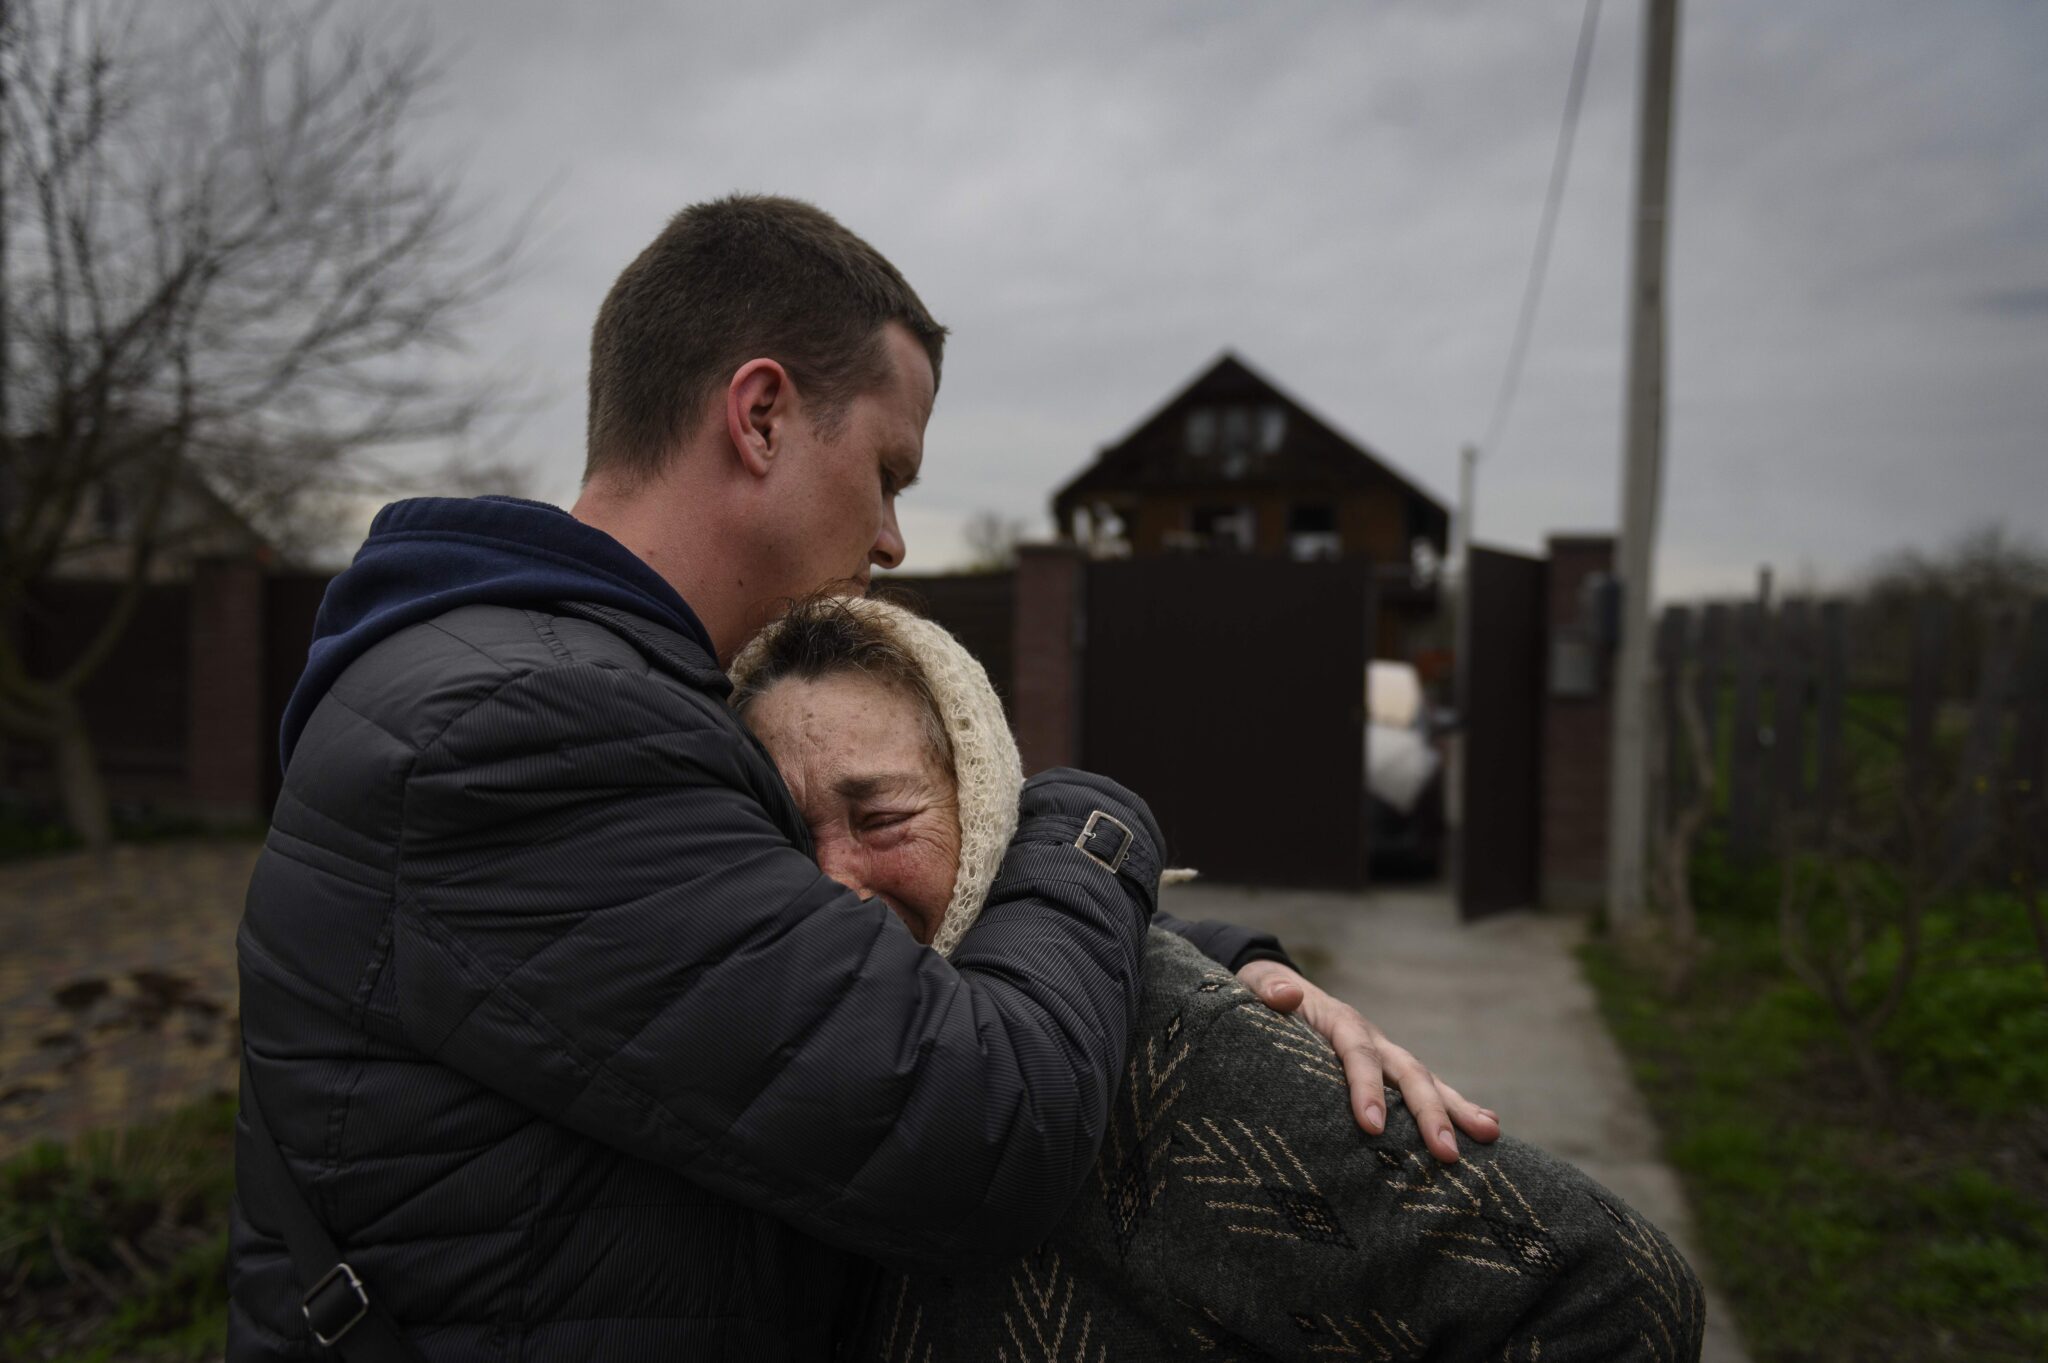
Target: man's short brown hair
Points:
(736, 279)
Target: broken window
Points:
(1228, 528)
(1312, 531)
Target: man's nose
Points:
(889, 548)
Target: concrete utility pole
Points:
(1642, 474)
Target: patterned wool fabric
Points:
(1238, 1212)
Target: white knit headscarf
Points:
(987, 771)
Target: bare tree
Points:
(1988, 565)
(993, 540)
(222, 283)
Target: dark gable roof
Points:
(1155, 454)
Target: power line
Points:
(1532, 292)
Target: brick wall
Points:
(1576, 735)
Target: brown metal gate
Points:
(1502, 733)
(1229, 693)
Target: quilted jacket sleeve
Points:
(598, 916)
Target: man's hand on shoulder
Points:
(1371, 1062)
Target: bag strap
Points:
(337, 1307)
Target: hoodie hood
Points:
(430, 555)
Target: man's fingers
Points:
(1371, 1062)
(1274, 985)
(1481, 1124)
(1281, 994)
(1368, 1084)
(1436, 1128)
(1419, 1090)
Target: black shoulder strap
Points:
(337, 1307)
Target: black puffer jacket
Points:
(578, 1054)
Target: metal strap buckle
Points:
(1115, 862)
(343, 1275)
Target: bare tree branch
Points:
(224, 277)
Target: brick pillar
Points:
(1046, 690)
(227, 748)
(1578, 722)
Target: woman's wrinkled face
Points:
(882, 809)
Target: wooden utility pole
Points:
(1642, 473)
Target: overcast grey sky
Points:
(1098, 198)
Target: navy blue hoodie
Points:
(429, 555)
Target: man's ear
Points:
(758, 405)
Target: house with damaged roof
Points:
(1232, 464)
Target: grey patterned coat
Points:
(1237, 1212)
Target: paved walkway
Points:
(1500, 1010)
(117, 985)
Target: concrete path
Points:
(1500, 1010)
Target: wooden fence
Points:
(1787, 699)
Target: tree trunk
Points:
(1869, 1066)
(79, 787)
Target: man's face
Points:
(840, 497)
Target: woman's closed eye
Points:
(884, 823)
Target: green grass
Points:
(24, 835)
(1975, 1025)
(117, 1243)
(1839, 1229)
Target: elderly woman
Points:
(1236, 1210)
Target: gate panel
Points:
(1498, 840)
(1229, 693)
